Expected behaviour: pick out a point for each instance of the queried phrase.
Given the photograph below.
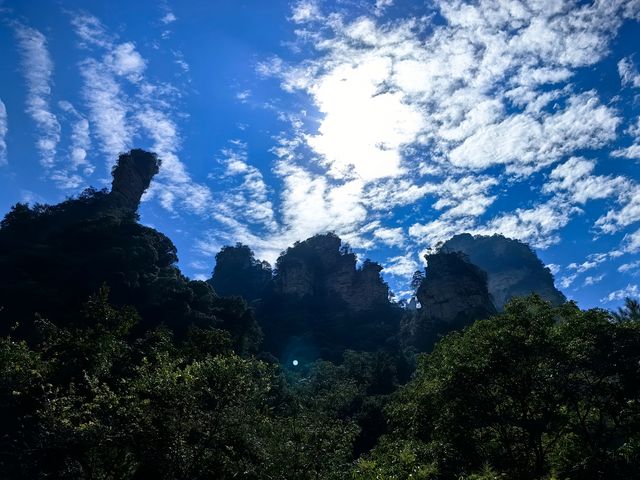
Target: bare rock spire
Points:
(131, 177)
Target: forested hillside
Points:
(114, 365)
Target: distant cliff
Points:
(512, 268)
(319, 267)
(470, 278)
(452, 295)
(317, 303)
(454, 291)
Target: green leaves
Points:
(533, 392)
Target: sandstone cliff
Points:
(512, 268)
(454, 291)
(319, 266)
(131, 177)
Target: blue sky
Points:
(394, 123)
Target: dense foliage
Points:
(93, 401)
(536, 392)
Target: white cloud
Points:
(440, 230)
(80, 139)
(631, 242)
(629, 267)
(553, 268)
(465, 196)
(305, 11)
(575, 177)
(632, 151)
(125, 61)
(536, 226)
(401, 266)
(248, 198)
(168, 18)
(37, 68)
(382, 5)
(393, 237)
(629, 291)
(593, 279)
(71, 175)
(4, 128)
(524, 142)
(173, 182)
(387, 194)
(628, 73)
(364, 127)
(615, 220)
(243, 96)
(108, 107)
(90, 30)
(567, 280)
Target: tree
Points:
(629, 312)
(533, 392)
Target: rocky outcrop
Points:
(131, 177)
(512, 268)
(454, 291)
(317, 303)
(452, 294)
(319, 266)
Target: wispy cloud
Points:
(108, 107)
(401, 266)
(4, 128)
(37, 68)
(629, 267)
(393, 237)
(406, 116)
(121, 111)
(629, 291)
(593, 279)
(73, 173)
(629, 75)
(90, 30)
(124, 60)
(617, 219)
(305, 11)
(168, 18)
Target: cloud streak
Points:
(124, 106)
(4, 128)
(37, 68)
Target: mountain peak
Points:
(132, 176)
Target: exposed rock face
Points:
(131, 177)
(454, 292)
(317, 304)
(318, 267)
(452, 295)
(513, 269)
